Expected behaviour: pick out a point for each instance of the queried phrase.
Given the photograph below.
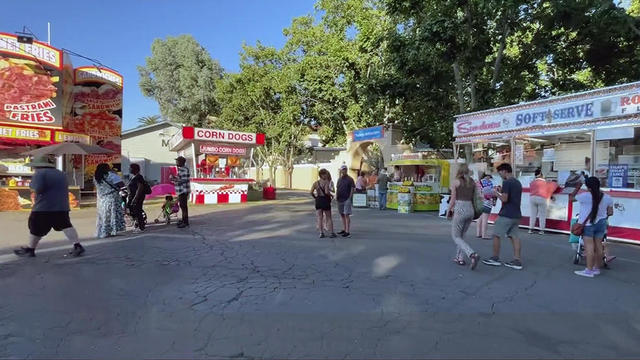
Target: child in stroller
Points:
(169, 208)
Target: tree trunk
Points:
(459, 85)
(499, 56)
(472, 88)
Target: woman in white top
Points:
(595, 207)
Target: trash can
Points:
(269, 193)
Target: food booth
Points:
(217, 160)
(589, 133)
(422, 182)
(36, 85)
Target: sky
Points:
(119, 33)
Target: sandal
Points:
(459, 262)
(475, 259)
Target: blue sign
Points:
(618, 175)
(371, 133)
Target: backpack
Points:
(146, 188)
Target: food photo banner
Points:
(31, 90)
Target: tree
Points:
(149, 120)
(181, 76)
(264, 97)
(452, 57)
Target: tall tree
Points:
(149, 120)
(264, 97)
(459, 56)
(181, 76)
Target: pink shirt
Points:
(542, 188)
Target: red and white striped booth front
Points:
(219, 191)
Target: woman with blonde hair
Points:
(321, 192)
(461, 210)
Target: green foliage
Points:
(181, 76)
(149, 120)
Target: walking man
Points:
(183, 188)
(383, 180)
(50, 209)
(135, 200)
(509, 218)
(344, 194)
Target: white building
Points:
(148, 146)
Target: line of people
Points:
(595, 208)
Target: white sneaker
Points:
(541, 232)
(530, 231)
(596, 271)
(586, 273)
(137, 231)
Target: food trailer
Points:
(217, 160)
(593, 133)
(422, 180)
(36, 99)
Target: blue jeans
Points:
(596, 230)
(382, 200)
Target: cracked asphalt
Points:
(256, 282)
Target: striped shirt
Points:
(183, 183)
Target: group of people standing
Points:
(51, 207)
(595, 208)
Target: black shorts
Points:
(41, 222)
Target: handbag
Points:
(478, 203)
(577, 228)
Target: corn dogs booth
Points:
(217, 161)
(593, 133)
(421, 182)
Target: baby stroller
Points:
(128, 218)
(169, 209)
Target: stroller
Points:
(169, 209)
(128, 218)
(578, 246)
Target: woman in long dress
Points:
(110, 212)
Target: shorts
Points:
(344, 207)
(486, 210)
(506, 227)
(41, 222)
(598, 230)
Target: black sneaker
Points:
(322, 236)
(25, 252)
(77, 250)
(183, 225)
(514, 264)
(341, 232)
(346, 234)
(493, 261)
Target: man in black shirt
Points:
(344, 193)
(508, 222)
(135, 199)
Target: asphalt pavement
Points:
(255, 281)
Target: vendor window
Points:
(618, 157)
(558, 156)
(485, 157)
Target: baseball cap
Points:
(181, 158)
(343, 167)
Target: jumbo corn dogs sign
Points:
(30, 86)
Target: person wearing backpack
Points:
(138, 188)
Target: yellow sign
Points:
(25, 134)
(61, 136)
(41, 51)
(92, 74)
